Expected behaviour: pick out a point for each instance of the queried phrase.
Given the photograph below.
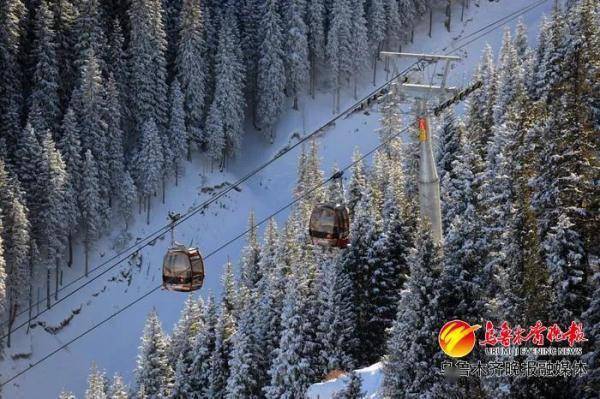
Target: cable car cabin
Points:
(183, 269)
(330, 225)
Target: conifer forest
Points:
(232, 197)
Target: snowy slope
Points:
(114, 345)
(371, 378)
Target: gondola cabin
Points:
(329, 225)
(183, 269)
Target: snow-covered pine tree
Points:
(315, 24)
(358, 183)
(228, 101)
(251, 256)
(242, 381)
(172, 19)
(114, 145)
(89, 35)
(449, 142)
(118, 389)
(12, 17)
(89, 200)
(480, 104)
(182, 388)
(296, 48)
(335, 329)
(509, 80)
(352, 390)
(565, 257)
(376, 22)
(199, 371)
(55, 210)
(191, 69)
(412, 350)
(126, 195)
(586, 385)
(65, 14)
(179, 141)
(89, 105)
(271, 71)
(44, 103)
(29, 168)
(393, 25)
(360, 41)
(339, 47)
(408, 14)
(520, 41)
(148, 164)
(16, 237)
(219, 369)
(535, 69)
(290, 371)
(215, 140)
(250, 14)
(96, 388)
(187, 327)
(66, 395)
(153, 371)
(70, 150)
(147, 64)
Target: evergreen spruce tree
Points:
(115, 141)
(315, 23)
(228, 104)
(66, 395)
(16, 236)
(153, 372)
(360, 42)
(12, 34)
(587, 385)
(271, 74)
(393, 24)
(90, 109)
(199, 371)
(358, 183)
(96, 388)
(219, 369)
(44, 103)
(339, 49)
(179, 141)
(191, 69)
(172, 18)
(89, 202)
(89, 35)
(250, 273)
(296, 48)
(250, 15)
(353, 389)
(412, 350)
(290, 371)
(449, 139)
(335, 329)
(148, 164)
(376, 22)
(182, 338)
(147, 64)
(65, 14)
(118, 389)
(520, 41)
(242, 382)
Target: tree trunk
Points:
(163, 188)
(375, 70)
(148, 210)
(87, 256)
(140, 204)
(48, 278)
(313, 74)
(57, 271)
(70, 263)
(295, 106)
(462, 11)
(430, 20)
(355, 88)
(12, 315)
(176, 175)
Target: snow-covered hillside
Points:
(114, 345)
(371, 378)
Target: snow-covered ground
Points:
(113, 346)
(371, 378)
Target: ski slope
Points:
(113, 346)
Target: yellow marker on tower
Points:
(422, 129)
